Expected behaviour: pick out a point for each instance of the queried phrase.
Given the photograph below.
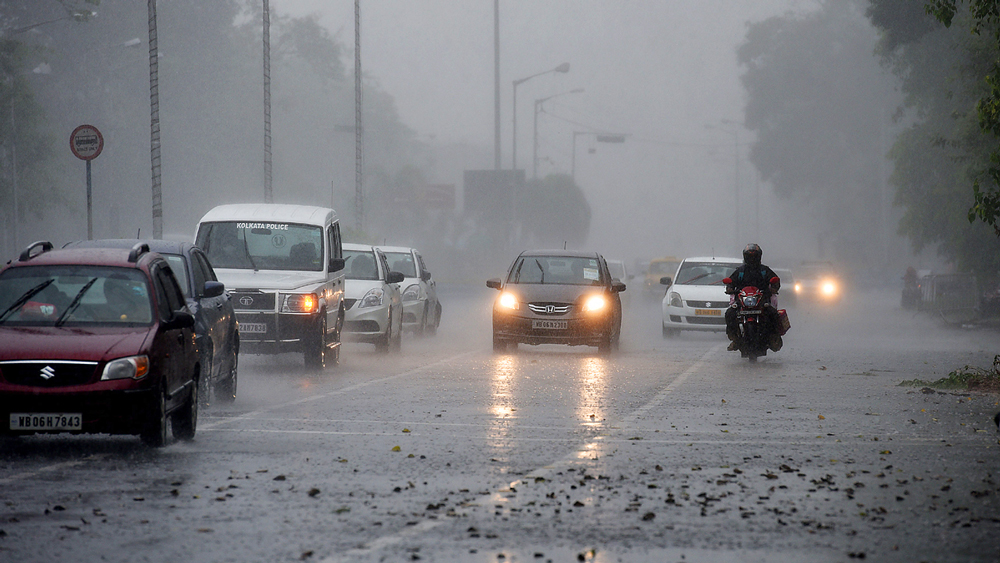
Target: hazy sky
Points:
(662, 71)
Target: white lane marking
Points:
(333, 393)
(427, 525)
(49, 468)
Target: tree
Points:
(819, 106)
(984, 15)
(554, 211)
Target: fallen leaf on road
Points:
(821, 417)
(313, 492)
(396, 448)
(406, 430)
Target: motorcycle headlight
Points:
(675, 299)
(508, 301)
(372, 299)
(751, 300)
(134, 367)
(300, 303)
(595, 303)
(412, 293)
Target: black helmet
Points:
(752, 254)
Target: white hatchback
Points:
(372, 299)
(696, 297)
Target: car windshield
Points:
(704, 273)
(74, 296)
(360, 265)
(556, 270)
(263, 246)
(402, 262)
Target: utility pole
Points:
(359, 208)
(154, 122)
(268, 193)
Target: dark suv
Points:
(96, 341)
(214, 319)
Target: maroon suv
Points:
(96, 341)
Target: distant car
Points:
(817, 282)
(96, 340)
(557, 297)
(421, 307)
(214, 318)
(696, 299)
(658, 267)
(787, 295)
(372, 299)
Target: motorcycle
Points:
(753, 328)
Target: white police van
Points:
(283, 266)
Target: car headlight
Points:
(372, 299)
(675, 299)
(134, 367)
(300, 303)
(828, 288)
(797, 287)
(412, 293)
(595, 303)
(508, 301)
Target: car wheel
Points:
(422, 327)
(314, 354)
(605, 346)
(154, 434)
(205, 396)
(385, 341)
(432, 327)
(397, 337)
(225, 391)
(499, 344)
(185, 419)
(670, 332)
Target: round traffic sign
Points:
(86, 142)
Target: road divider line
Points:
(49, 468)
(335, 392)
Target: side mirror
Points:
(337, 264)
(213, 289)
(618, 286)
(665, 280)
(181, 319)
(395, 277)
(493, 283)
(425, 275)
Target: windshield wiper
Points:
(74, 303)
(247, 250)
(24, 298)
(698, 277)
(540, 269)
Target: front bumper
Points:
(687, 318)
(109, 411)
(365, 325)
(579, 331)
(282, 332)
(413, 314)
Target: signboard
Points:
(86, 142)
(611, 138)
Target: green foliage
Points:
(967, 377)
(554, 210)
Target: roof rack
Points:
(27, 255)
(138, 250)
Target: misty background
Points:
(766, 121)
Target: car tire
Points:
(205, 395)
(605, 346)
(499, 344)
(397, 336)
(154, 432)
(225, 391)
(314, 355)
(384, 342)
(185, 419)
(432, 327)
(670, 332)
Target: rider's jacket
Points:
(759, 277)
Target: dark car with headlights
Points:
(96, 340)
(215, 326)
(557, 297)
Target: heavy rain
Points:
(499, 281)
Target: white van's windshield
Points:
(262, 246)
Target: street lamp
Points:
(561, 68)
(538, 105)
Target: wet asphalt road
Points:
(669, 450)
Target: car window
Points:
(74, 295)
(703, 273)
(384, 264)
(206, 267)
(263, 246)
(402, 262)
(180, 268)
(360, 265)
(169, 296)
(563, 270)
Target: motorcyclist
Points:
(753, 273)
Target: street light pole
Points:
(513, 150)
(538, 105)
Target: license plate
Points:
(557, 325)
(708, 312)
(750, 312)
(253, 328)
(46, 421)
